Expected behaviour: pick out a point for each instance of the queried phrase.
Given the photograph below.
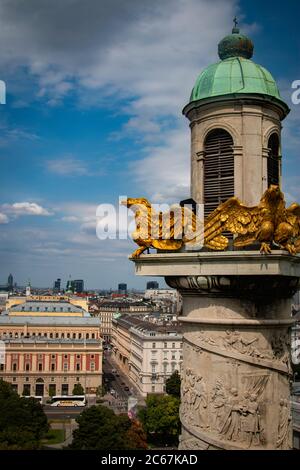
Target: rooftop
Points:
(37, 306)
(32, 320)
(130, 322)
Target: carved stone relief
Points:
(234, 341)
(224, 412)
(284, 426)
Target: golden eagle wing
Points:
(232, 216)
(292, 216)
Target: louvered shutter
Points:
(273, 160)
(218, 169)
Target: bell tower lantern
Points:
(235, 113)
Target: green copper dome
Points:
(236, 74)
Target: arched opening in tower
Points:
(218, 169)
(273, 160)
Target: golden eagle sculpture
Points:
(268, 222)
(163, 231)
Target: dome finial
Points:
(235, 30)
(235, 44)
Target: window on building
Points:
(53, 367)
(165, 368)
(87, 336)
(26, 390)
(77, 356)
(26, 379)
(14, 366)
(27, 367)
(68, 335)
(92, 356)
(153, 345)
(273, 160)
(51, 335)
(153, 368)
(93, 335)
(52, 389)
(165, 345)
(78, 366)
(66, 356)
(92, 366)
(65, 366)
(74, 335)
(173, 345)
(1, 367)
(65, 389)
(14, 379)
(218, 169)
(40, 366)
(79, 336)
(173, 356)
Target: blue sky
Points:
(95, 91)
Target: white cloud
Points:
(3, 218)
(25, 208)
(67, 167)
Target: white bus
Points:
(68, 400)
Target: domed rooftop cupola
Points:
(236, 75)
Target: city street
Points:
(118, 383)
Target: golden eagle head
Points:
(138, 201)
(273, 193)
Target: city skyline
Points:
(89, 116)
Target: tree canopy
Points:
(160, 418)
(23, 422)
(78, 389)
(173, 384)
(99, 428)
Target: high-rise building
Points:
(57, 285)
(122, 288)
(152, 285)
(78, 285)
(10, 281)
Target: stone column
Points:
(236, 361)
